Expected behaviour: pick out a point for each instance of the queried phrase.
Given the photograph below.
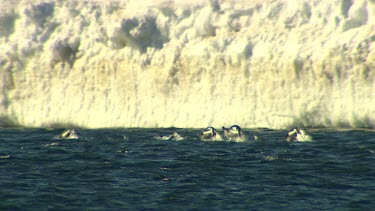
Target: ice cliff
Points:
(255, 63)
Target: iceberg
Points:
(171, 63)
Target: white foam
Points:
(167, 63)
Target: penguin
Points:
(68, 134)
(174, 137)
(298, 135)
(210, 134)
(234, 133)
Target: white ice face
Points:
(189, 57)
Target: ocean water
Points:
(128, 169)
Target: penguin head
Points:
(209, 132)
(235, 129)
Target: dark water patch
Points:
(117, 169)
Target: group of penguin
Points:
(233, 133)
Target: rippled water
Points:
(127, 169)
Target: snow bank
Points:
(166, 63)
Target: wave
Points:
(270, 64)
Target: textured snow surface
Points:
(255, 63)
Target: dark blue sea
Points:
(128, 169)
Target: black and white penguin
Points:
(173, 137)
(68, 134)
(297, 135)
(210, 134)
(234, 133)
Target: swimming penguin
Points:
(174, 137)
(177, 137)
(210, 134)
(292, 135)
(162, 138)
(234, 133)
(68, 134)
(297, 135)
(303, 136)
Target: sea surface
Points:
(128, 169)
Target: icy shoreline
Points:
(270, 64)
